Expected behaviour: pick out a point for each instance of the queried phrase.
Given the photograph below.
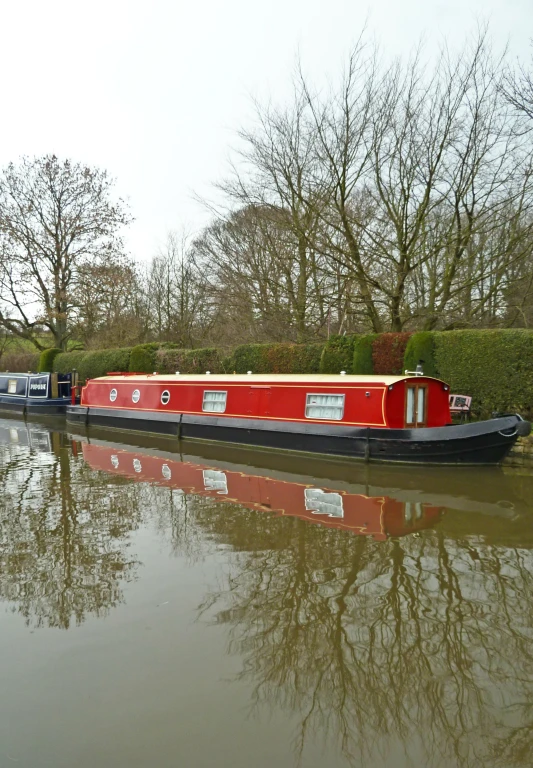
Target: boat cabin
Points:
(362, 401)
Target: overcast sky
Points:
(154, 90)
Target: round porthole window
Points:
(113, 395)
(165, 397)
(137, 466)
(136, 396)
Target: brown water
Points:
(224, 608)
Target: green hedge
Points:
(337, 354)
(275, 358)
(362, 354)
(66, 362)
(494, 367)
(188, 360)
(46, 360)
(95, 363)
(144, 359)
(421, 348)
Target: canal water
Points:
(194, 605)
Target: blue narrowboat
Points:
(38, 394)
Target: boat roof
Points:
(265, 378)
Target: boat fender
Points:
(523, 428)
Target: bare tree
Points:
(55, 216)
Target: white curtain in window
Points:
(325, 407)
(214, 402)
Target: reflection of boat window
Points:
(413, 511)
(165, 471)
(114, 461)
(13, 436)
(137, 466)
(215, 481)
(321, 503)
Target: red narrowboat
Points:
(376, 516)
(373, 418)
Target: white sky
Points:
(154, 90)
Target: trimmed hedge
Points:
(95, 363)
(362, 354)
(388, 350)
(275, 358)
(188, 360)
(494, 367)
(46, 360)
(421, 348)
(66, 362)
(143, 358)
(337, 355)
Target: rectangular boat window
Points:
(410, 414)
(214, 402)
(325, 407)
(12, 387)
(421, 405)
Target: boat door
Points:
(416, 405)
(259, 400)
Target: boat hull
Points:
(478, 443)
(27, 406)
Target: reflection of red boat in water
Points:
(377, 516)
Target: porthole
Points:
(165, 397)
(136, 396)
(137, 466)
(113, 395)
(114, 461)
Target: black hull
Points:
(479, 443)
(26, 407)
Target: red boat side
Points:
(371, 401)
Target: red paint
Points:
(378, 516)
(368, 402)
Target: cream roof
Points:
(268, 378)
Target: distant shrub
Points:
(188, 360)
(19, 362)
(421, 348)
(362, 355)
(337, 354)
(388, 351)
(46, 360)
(494, 367)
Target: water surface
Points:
(167, 605)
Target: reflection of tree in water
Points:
(63, 536)
(378, 642)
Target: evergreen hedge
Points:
(95, 363)
(66, 362)
(421, 348)
(46, 360)
(362, 354)
(275, 358)
(188, 360)
(337, 354)
(494, 367)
